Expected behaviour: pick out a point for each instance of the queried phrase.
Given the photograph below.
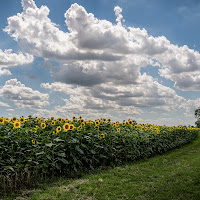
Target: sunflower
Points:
(83, 124)
(52, 118)
(118, 130)
(82, 120)
(59, 119)
(14, 119)
(43, 125)
(58, 129)
(1, 120)
(104, 119)
(66, 126)
(123, 124)
(97, 122)
(80, 117)
(102, 136)
(109, 120)
(53, 123)
(66, 120)
(135, 126)
(79, 128)
(41, 120)
(71, 127)
(21, 120)
(130, 122)
(17, 125)
(7, 120)
(96, 127)
(33, 141)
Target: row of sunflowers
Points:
(34, 148)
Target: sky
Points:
(115, 59)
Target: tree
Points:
(197, 115)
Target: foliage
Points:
(33, 149)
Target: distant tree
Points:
(197, 116)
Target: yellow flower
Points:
(52, 118)
(59, 119)
(97, 123)
(14, 119)
(58, 129)
(66, 120)
(79, 129)
(109, 120)
(17, 125)
(118, 130)
(135, 126)
(123, 124)
(33, 141)
(53, 123)
(1, 120)
(96, 127)
(102, 136)
(66, 126)
(130, 122)
(41, 120)
(74, 118)
(43, 125)
(71, 127)
(6, 119)
(21, 120)
(104, 119)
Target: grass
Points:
(174, 175)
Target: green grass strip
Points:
(174, 175)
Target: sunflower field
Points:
(33, 149)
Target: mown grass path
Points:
(174, 175)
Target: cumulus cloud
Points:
(95, 40)
(4, 104)
(9, 59)
(22, 96)
(104, 60)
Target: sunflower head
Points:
(53, 123)
(102, 136)
(17, 125)
(43, 125)
(58, 129)
(59, 119)
(6, 119)
(33, 141)
(52, 118)
(14, 119)
(21, 120)
(71, 127)
(1, 120)
(66, 126)
(118, 130)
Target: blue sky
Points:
(121, 60)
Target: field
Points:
(34, 149)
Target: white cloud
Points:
(22, 96)
(9, 59)
(104, 60)
(4, 104)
